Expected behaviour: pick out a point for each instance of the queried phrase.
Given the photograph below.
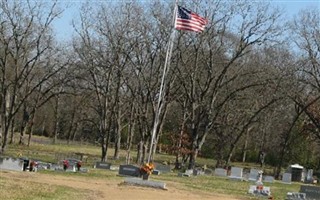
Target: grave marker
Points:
(253, 175)
(312, 192)
(236, 173)
(220, 172)
(268, 179)
(286, 178)
(102, 165)
(11, 164)
(162, 168)
(129, 170)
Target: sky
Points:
(64, 30)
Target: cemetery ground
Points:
(106, 184)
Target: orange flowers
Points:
(147, 168)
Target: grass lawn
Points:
(53, 153)
(25, 190)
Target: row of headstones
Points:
(237, 174)
(306, 192)
(24, 165)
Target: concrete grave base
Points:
(147, 183)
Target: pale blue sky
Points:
(64, 30)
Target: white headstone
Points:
(220, 172)
(309, 175)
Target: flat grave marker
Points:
(102, 165)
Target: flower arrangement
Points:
(147, 168)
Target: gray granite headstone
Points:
(162, 168)
(11, 164)
(268, 179)
(236, 173)
(220, 172)
(286, 178)
(103, 165)
(312, 192)
(129, 170)
(253, 175)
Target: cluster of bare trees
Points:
(249, 83)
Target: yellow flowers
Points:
(147, 168)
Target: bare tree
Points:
(25, 38)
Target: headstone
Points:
(129, 170)
(236, 173)
(208, 171)
(286, 178)
(309, 176)
(220, 172)
(11, 164)
(43, 166)
(162, 168)
(187, 173)
(197, 172)
(259, 190)
(148, 183)
(156, 172)
(102, 165)
(71, 168)
(253, 175)
(83, 170)
(312, 192)
(296, 196)
(268, 179)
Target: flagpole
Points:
(162, 85)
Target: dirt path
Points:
(114, 189)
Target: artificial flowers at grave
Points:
(147, 168)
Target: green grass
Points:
(225, 186)
(24, 190)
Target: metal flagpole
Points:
(162, 85)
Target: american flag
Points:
(189, 21)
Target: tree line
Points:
(249, 83)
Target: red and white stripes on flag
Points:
(189, 21)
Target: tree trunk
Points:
(12, 131)
(103, 150)
(69, 133)
(118, 136)
(140, 152)
(244, 149)
(56, 116)
(30, 125)
(130, 134)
